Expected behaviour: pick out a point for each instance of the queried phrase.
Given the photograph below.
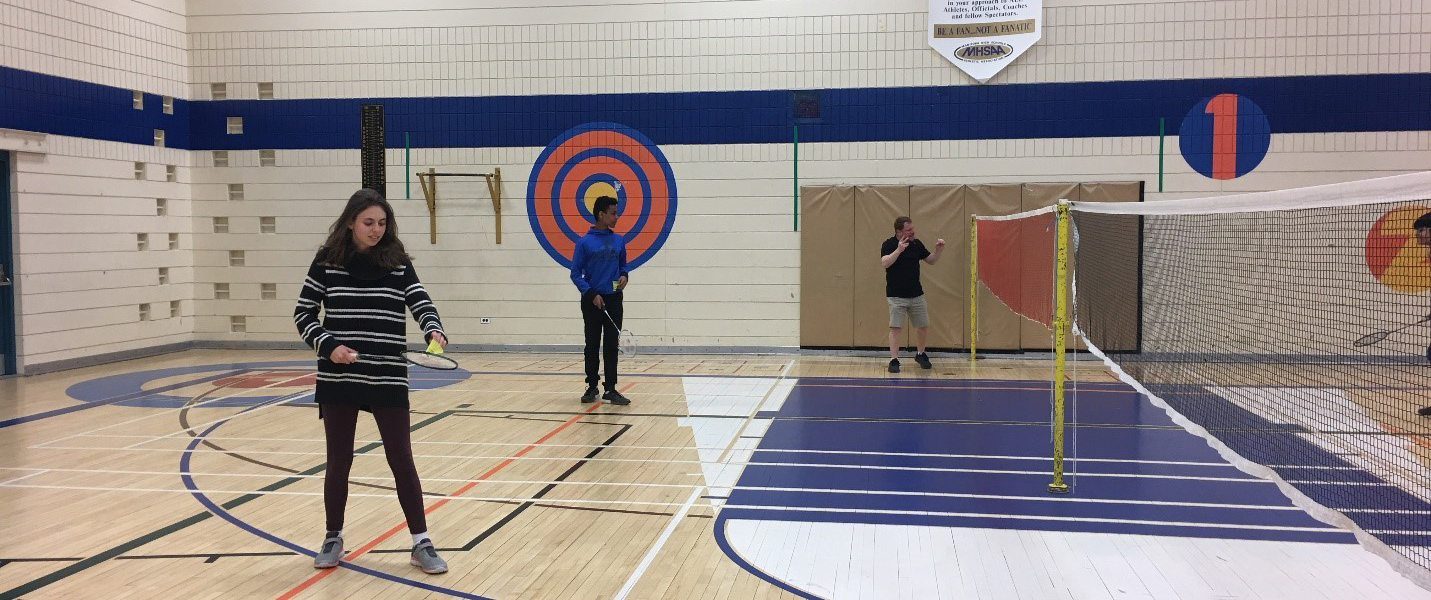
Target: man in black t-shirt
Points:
(900, 256)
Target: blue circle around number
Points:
(1225, 156)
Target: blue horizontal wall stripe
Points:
(48, 104)
(1334, 103)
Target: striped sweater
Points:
(363, 309)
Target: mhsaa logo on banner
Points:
(981, 37)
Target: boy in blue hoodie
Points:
(598, 268)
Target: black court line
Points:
(528, 504)
(123, 548)
(578, 374)
(184, 422)
(1080, 425)
(837, 419)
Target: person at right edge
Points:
(1423, 237)
(598, 268)
(900, 256)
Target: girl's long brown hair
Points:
(339, 249)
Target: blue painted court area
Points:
(976, 453)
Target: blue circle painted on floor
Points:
(237, 384)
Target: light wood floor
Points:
(207, 489)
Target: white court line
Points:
(754, 411)
(194, 427)
(1328, 528)
(723, 459)
(656, 547)
(726, 462)
(485, 391)
(40, 472)
(959, 360)
(798, 450)
(166, 412)
(318, 494)
(1039, 497)
(457, 389)
(793, 450)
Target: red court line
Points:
(465, 487)
(1413, 438)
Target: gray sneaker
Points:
(425, 557)
(331, 551)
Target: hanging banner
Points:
(981, 37)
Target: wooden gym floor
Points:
(198, 475)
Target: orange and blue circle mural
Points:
(1392, 253)
(1225, 136)
(601, 159)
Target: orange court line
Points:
(465, 487)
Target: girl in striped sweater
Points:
(363, 280)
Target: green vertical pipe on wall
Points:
(1162, 123)
(407, 162)
(795, 130)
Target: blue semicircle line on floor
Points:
(186, 475)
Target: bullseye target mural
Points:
(601, 159)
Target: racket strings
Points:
(431, 361)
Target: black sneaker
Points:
(1425, 411)
(923, 360)
(894, 365)
(615, 397)
(589, 396)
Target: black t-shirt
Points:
(901, 279)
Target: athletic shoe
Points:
(615, 397)
(923, 360)
(894, 365)
(330, 552)
(589, 396)
(425, 557)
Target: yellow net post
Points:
(973, 284)
(1060, 325)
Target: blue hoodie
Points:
(598, 262)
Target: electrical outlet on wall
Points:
(486, 321)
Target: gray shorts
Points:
(914, 308)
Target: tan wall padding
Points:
(938, 212)
(875, 210)
(998, 326)
(827, 224)
(842, 302)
